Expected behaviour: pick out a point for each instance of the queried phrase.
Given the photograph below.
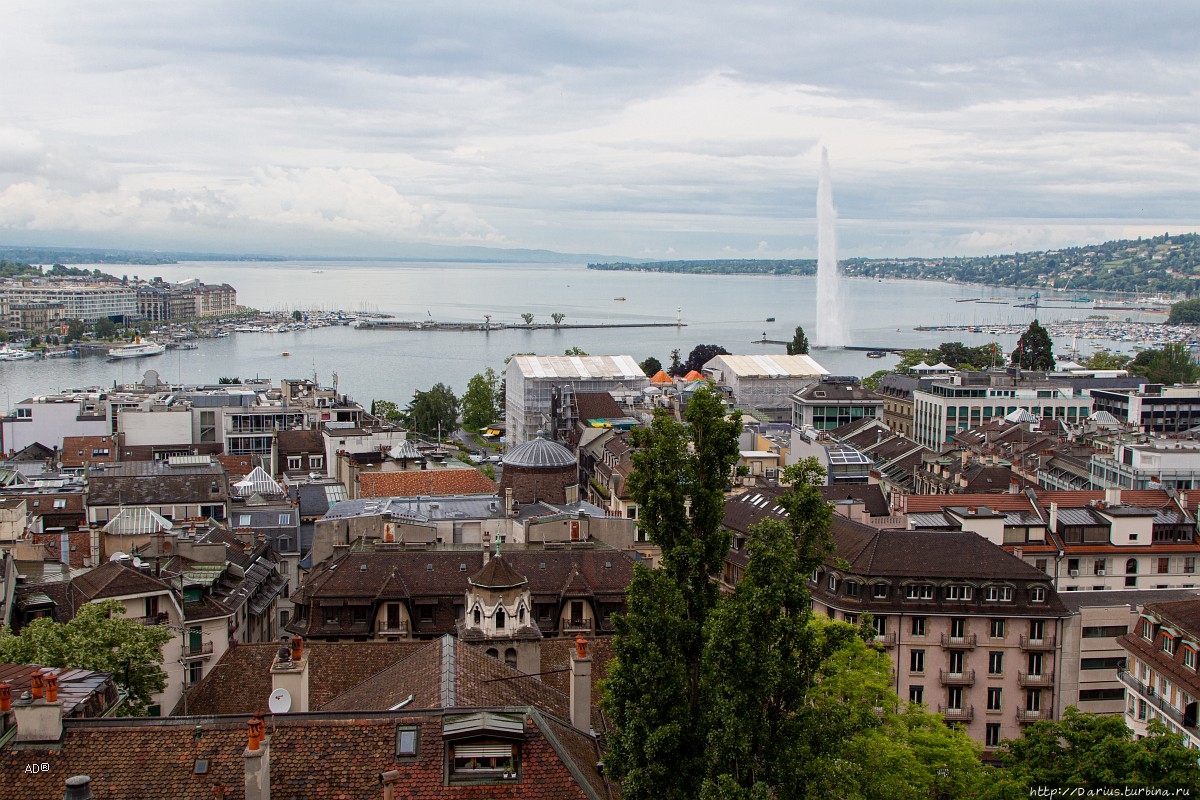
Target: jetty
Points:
(486, 327)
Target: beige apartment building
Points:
(1160, 673)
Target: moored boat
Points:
(137, 349)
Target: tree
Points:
(75, 330)
(1185, 313)
(558, 317)
(97, 638)
(1094, 751)
(874, 380)
(386, 410)
(296, 315)
(528, 318)
(651, 366)
(676, 364)
(433, 412)
(225, 380)
(701, 354)
(574, 351)
(653, 694)
(799, 344)
(479, 401)
(105, 328)
(1105, 360)
(1170, 365)
(1034, 349)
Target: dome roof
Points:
(539, 452)
(497, 574)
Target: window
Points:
(293, 463)
(919, 591)
(1189, 658)
(996, 662)
(333, 616)
(1035, 664)
(880, 625)
(426, 614)
(1033, 699)
(916, 661)
(999, 594)
(958, 627)
(1037, 594)
(360, 613)
(879, 591)
(1073, 565)
(852, 588)
(1147, 630)
(1037, 629)
(995, 697)
(243, 520)
(484, 759)
(1101, 694)
(851, 619)
(60, 503)
(1164, 565)
(996, 629)
(510, 657)
(499, 619)
(1131, 572)
(991, 736)
(1100, 663)
(957, 659)
(1041, 564)
(1098, 566)
(475, 616)
(406, 741)
(916, 694)
(285, 519)
(958, 591)
(1189, 564)
(954, 696)
(316, 462)
(1104, 631)
(918, 626)
(1168, 644)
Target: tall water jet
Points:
(831, 324)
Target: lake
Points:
(729, 310)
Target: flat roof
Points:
(580, 367)
(770, 366)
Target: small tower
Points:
(499, 615)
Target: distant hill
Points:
(1163, 264)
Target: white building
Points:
(1159, 463)
(765, 382)
(536, 388)
(84, 302)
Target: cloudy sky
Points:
(658, 130)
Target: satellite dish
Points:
(280, 701)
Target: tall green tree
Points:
(1170, 365)
(1105, 360)
(798, 346)
(386, 410)
(651, 366)
(479, 401)
(654, 693)
(98, 638)
(1034, 349)
(433, 412)
(1093, 751)
(701, 354)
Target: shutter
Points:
(483, 751)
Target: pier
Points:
(488, 327)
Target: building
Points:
(968, 400)
(538, 389)
(86, 302)
(897, 391)
(180, 488)
(34, 316)
(1160, 673)
(831, 404)
(1152, 408)
(1156, 464)
(764, 382)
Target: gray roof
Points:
(541, 453)
(1074, 601)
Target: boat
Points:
(619, 299)
(770, 319)
(187, 346)
(286, 353)
(15, 354)
(876, 353)
(61, 353)
(137, 349)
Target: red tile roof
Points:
(435, 482)
(80, 450)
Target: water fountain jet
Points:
(831, 325)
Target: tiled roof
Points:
(236, 467)
(83, 692)
(241, 682)
(113, 579)
(497, 574)
(310, 756)
(428, 482)
(80, 450)
(1184, 614)
(598, 405)
(870, 496)
(299, 442)
(156, 483)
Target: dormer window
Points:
(879, 591)
(919, 591)
(1147, 630)
(1168, 644)
(958, 591)
(1189, 658)
(1037, 594)
(852, 588)
(999, 594)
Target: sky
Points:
(645, 130)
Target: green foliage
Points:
(1034, 349)
(651, 366)
(1173, 364)
(75, 330)
(1185, 313)
(96, 639)
(227, 381)
(1105, 360)
(558, 317)
(13, 269)
(956, 354)
(297, 316)
(575, 351)
(675, 363)
(701, 354)
(1093, 751)
(386, 410)
(105, 329)
(479, 401)
(434, 411)
(528, 318)
(799, 344)
(488, 470)
(875, 379)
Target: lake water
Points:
(729, 310)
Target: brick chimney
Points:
(258, 761)
(581, 686)
(39, 718)
(290, 671)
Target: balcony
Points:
(1041, 680)
(153, 619)
(964, 714)
(382, 628)
(198, 650)
(1027, 715)
(965, 642)
(1045, 643)
(887, 640)
(577, 626)
(1153, 699)
(964, 678)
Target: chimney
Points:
(290, 671)
(79, 787)
(1014, 486)
(1053, 517)
(572, 494)
(258, 761)
(39, 719)
(487, 547)
(508, 501)
(1112, 496)
(581, 686)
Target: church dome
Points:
(539, 453)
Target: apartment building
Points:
(539, 388)
(1152, 408)
(1160, 673)
(87, 302)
